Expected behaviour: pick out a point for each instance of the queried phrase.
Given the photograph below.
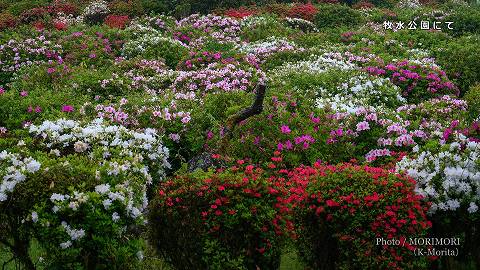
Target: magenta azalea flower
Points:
(67, 108)
(285, 129)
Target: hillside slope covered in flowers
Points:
(368, 134)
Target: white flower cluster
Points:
(255, 21)
(361, 90)
(96, 7)
(314, 66)
(413, 4)
(13, 170)
(222, 29)
(139, 145)
(137, 46)
(74, 235)
(132, 200)
(301, 24)
(448, 177)
(265, 48)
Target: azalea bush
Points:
(225, 219)
(382, 135)
(417, 81)
(447, 176)
(80, 190)
(218, 77)
(336, 16)
(347, 207)
(460, 59)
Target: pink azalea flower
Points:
(363, 126)
(285, 129)
(24, 93)
(67, 108)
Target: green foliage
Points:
(466, 20)
(155, 47)
(39, 103)
(336, 16)
(472, 97)
(265, 26)
(430, 40)
(461, 60)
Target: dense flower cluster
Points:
(13, 170)
(33, 51)
(400, 131)
(138, 46)
(447, 175)
(96, 8)
(217, 77)
(220, 28)
(360, 91)
(265, 48)
(116, 21)
(304, 25)
(342, 198)
(69, 134)
(315, 65)
(417, 82)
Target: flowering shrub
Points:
(14, 171)
(225, 219)
(7, 20)
(90, 48)
(153, 46)
(414, 79)
(409, 4)
(223, 30)
(199, 60)
(217, 77)
(360, 91)
(96, 12)
(378, 134)
(314, 66)
(265, 48)
(304, 25)
(346, 208)
(447, 175)
(16, 54)
(240, 13)
(66, 134)
(303, 11)
(116, 21)
(461, 60)
(73, 170)
(255, 28)
(299, 135)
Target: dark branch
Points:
(256, 108)
(205, 160)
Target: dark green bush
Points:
(466, 20)
(461, 59)
(472, 97)
(336, 16)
